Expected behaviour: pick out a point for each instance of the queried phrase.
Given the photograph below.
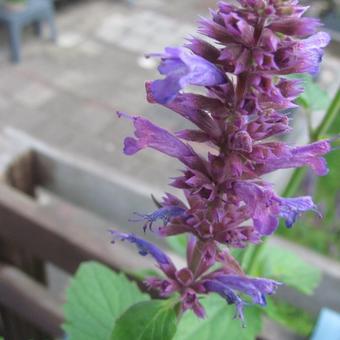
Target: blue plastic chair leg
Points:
(53, 28)
(15, 42)
(37, 26)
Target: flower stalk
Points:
(240, 64)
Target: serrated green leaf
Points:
(285, 266)
(95, 298)
(295, 319)
(150, 320)
(219, 323)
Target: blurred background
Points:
(62, 82)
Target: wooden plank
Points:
(17, 170)
(85, 183)
(114, 197)
(56, 235)
(30, 300)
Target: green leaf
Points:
(313, 97)
(219, 323)
(293, 318)
(95, 298)
(150, 320)
(178, 244)
(285, 266)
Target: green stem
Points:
(320, 131)
(332, 112)
(294, 182)
(308, 114)
(255, 253)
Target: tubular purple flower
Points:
(309, 155)
(183, 68)
(256, 288)
(228, 285)
(300, 27)
(232, 298)
(302, 56)
(263, 204)
(152, 136)
(145, 248)
(291, 208)
(164, 214)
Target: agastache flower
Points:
(197, 279)
(240, 109)
(183, 68)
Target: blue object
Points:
(328, 326)
(33, 12)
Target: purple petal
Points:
(145, 248)
(203, 49)
(194, 108)
(303, 56)
(165, 214)
(190, 300)
(309, 155)
(183, 68)
(295, 26)
(193, 136)
(164, 286)
(291, 208)
(152, 136)
(227, 293)
(262, 204)
(256, 288)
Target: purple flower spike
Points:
(183, 68)
(242, 107)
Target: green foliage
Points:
(261, 261)
(285, 266)
(14, 2)
(220, 323)
(313, 98)
(149, 320)
(95, 298)
(178, 244)
(295, 319)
